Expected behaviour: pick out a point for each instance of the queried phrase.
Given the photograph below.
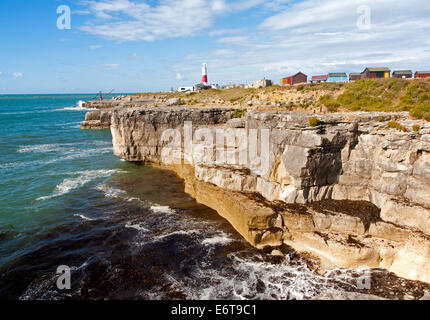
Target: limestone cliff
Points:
(98, 119)
(350, 191)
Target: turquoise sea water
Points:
(44, 160)
(126, 231)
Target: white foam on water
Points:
(161, 209)
(175, 233)
(10, 165)
(111, 192)
(136, 226)
(221, 238)
(253, 278)
(82, 178)
(83, 217)
(74, 109)
(40, 148)
(67, 123)
(26, 112)
(79, 107)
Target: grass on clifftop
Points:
(387, 95)
(383, 95)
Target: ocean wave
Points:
(9, 165)
(79, 107)
(25, 112)
(161, 209)
(221, 239)
(40, 148)
(67, 154)
(83, 217)
(176, 233)
(136, 227)
(111, 192)
(82, 179)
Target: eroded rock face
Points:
(350, 157)
(98, 119)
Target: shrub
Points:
(300, 87)
(314, 122)
(395, 125)
(416, 127)
(380, 119)
(331, 104)
(239, 113)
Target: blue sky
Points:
(136, 45)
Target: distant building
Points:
(263, 83)
(319, 79)
(403, 74)
(202, 86)
(337, 77)
(422, 74)
(373, 73)
(185, 89)
(299, 77)
(354, 76)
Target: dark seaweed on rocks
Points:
(366, 211)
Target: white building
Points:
(263, 83)
(185, 89)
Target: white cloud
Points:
(220, 32)
(96, 46)
(17, 74)
(126, 20)
(179, 76)
(233, 40)
(1, 73)
(112, 65)
(224, 52)
(317, 37)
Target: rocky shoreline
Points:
(349, 191)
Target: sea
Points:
(129, 231)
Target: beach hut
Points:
(299, 77)
(402, 74)
(337, 77)
(373, 73)
(422, 74)
(319, 79)
(354, 76)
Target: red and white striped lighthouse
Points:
(205, 74)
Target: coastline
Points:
(252, 204)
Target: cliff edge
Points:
(349, 188)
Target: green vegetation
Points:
(416, 127)
(300, 87)
(314, 122)
(192, 102)
(331, 104)
(395, 125)
(388, 95)
(239, 113)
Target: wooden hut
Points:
(422, 74)
(299, 77)
(354, 76)
(402, 74)
(373, 73)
